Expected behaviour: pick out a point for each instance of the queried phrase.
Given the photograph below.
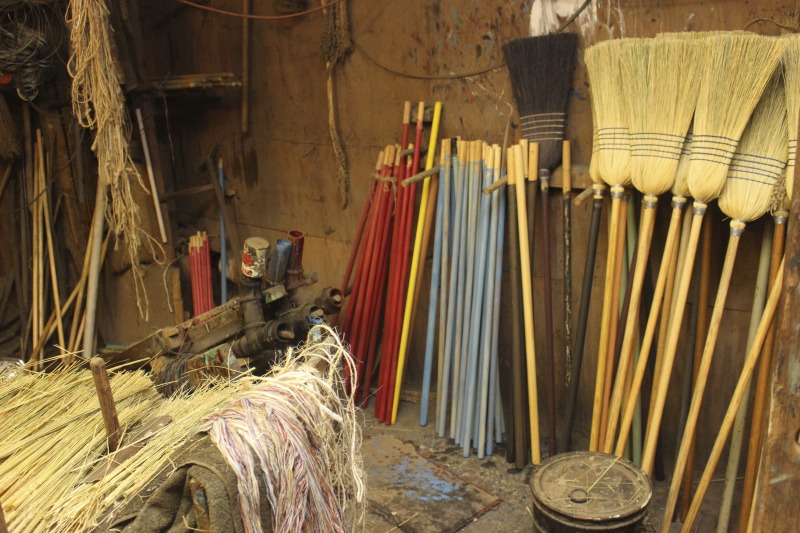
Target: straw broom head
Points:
(603, 64)
(791, 73)
(736, 69)
(760, 158)
(541, 71)
(680, 187)
(659, 121)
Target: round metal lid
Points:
(591, 486)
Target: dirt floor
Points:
(499, 480)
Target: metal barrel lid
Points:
(591, 486)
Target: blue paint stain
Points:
(423, 484)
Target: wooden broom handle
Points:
(744, 379)
(106, 399)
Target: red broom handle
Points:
(366, 306)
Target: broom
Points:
(791, 75)
(736, 70)
(659, 121)
(603, 67)
(541, 71)
(754, 172)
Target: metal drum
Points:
(588, 491)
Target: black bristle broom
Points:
(541, 71)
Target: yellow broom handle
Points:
(415, 259)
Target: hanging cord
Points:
(256, 17)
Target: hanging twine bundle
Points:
(99, 104)
(735, 71)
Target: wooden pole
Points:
(515, 162)
(152, 180)
(754, 448)
(94, 269)
(106, 399)
(738, 394)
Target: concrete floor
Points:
(499, 478)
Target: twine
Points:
(713, 148)
(609, 139)
(657, 145)
(544, 127)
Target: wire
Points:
(459, 75)
(778, 24)
(426, 76)
(256, 17)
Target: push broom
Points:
(757, 165)
(541, 70)
(791, 75)
(603, 66)
(736, 70)
(659, 120)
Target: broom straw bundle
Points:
(753, 173)
(791, 73)
(603, 63)
(659, 123)
(736, 69)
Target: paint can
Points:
(589, 492)
(254, 257)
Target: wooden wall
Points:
(283, 172)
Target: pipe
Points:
(276, 273)
(223, 246)
(294, 268)
(261, 337)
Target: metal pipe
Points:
(294, 268)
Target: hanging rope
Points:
(99, 104)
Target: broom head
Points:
(760, 160)
(736, 69)
(541, 71)
(791, 73)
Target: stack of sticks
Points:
(388, 267)
(44, 271)
(465, 286)
(200, 267)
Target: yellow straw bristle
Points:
(735, 71)
(659, 122)
(681, 187)
(791, 73)
(605, 78)
(760, 158)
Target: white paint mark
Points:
(779, 479)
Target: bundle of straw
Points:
(99, 104)
(54, 430)
(791, 76)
